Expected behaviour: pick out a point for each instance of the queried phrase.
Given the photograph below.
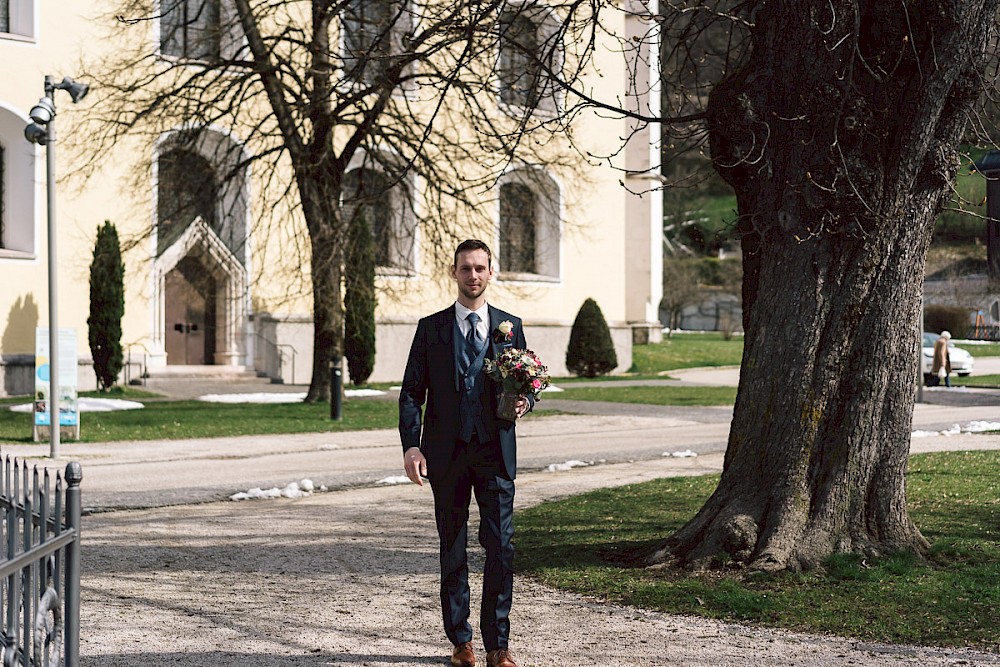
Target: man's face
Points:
(472, 273)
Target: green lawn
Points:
(687, 351)
(989, 381)
(981, 350)
(594, 543)
(198, 419)
(651, 395)
(695, 350)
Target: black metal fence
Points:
(983, 332)
(40, 566)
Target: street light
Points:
(42, 131)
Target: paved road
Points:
(170, 472)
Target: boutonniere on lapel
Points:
(504, 333)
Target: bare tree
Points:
(838, 124)
(316, 90)
(681, 288)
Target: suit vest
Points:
(474, 409)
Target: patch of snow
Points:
(355, 393)
(981, 427)
(259, 397)
(256, 493)
(90, 405)
(680, 455)
(388, 481)
(292, 490)
(274, 397)
(971, 427)
(568, 465)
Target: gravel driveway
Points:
(350, 578)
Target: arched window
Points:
(518, 223)
(385, 204)
(529, 226)
(366, 192)
(187, 189)
(191, 29)
(528, 51)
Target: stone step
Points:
(234, 373)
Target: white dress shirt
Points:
(462, 313)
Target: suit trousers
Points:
(476, 468)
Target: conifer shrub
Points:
(359, 300)
(591, 352)
(107, 306)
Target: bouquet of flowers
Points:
(519, 373)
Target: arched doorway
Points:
(190, 314)
(201, 297)
(201, 255)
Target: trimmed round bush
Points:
(591, 352)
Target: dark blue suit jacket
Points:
(432, 376)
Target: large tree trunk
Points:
(328, 314)
(322, 214)
(840, 136)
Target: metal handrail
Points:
(142, 367)
(39, 551)
(278, 353)
(294, 352)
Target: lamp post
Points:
(42, 131)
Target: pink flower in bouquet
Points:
(518, 371)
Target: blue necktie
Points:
(472, 338)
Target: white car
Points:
(961, 361)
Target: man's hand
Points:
(521, 406)
(415, 465)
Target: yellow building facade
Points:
(216, 292)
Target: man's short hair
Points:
(473, 244)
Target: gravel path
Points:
(350, 578)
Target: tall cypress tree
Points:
(107, 306)
(359, 300)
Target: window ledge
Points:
(542, 110)
(510, 277)
(222, 65)
(6, 253)
(14, 37)
(393, 272)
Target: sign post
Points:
(65, 402)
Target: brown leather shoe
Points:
(500, 658)
(463, 655)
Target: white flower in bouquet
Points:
(518, 371)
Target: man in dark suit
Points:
(462, 447)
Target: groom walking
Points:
(462, 447)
